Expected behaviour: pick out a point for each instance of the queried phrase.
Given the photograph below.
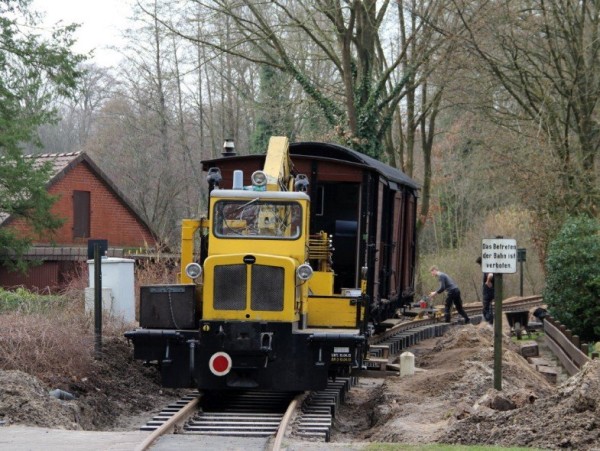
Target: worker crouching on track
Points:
(452, 294)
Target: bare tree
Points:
(78, 113)
(147, 160)
(541, 58)
(361, 96)
(362, 63)
(162, 122)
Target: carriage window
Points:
(320, 204)
(257, 219)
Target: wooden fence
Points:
(566, 346)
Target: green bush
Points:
(572, 281)
(25, 301)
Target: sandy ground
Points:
(449, 399)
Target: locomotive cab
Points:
(256, 245)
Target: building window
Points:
(81, 214)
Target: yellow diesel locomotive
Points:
(303, 252)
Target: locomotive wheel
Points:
(518, 330)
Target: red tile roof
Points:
(59, 161)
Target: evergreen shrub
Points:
(572, 290)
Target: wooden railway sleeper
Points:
(380, 350)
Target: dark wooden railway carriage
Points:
(368, 207)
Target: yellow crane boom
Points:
(278, 165)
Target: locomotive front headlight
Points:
(304, 272)
(193, 270)
(259, 178)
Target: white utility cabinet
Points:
(118, 287)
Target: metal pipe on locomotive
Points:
(255, 306)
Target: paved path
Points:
(26, 438)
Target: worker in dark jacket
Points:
(488, 295)
(452, 294)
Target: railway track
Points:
(251, 414)
(247, 414)
(400, 335)
(318, 409)
(170, 419)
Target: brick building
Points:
(93, 208)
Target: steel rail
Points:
(176, 420)
(283, 426)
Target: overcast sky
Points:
(102, 23)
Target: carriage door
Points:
(336, 212)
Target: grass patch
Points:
(534, 336)
(440, 447)
(26, 302)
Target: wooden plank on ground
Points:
(391, 322)
(562, 356)
(575, 354)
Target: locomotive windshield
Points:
(257, 218)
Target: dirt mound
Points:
(24, 400)
(116, 389)
(451, 399)
(568, 419)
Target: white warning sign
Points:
(499, 255)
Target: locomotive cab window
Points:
(257, 219)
